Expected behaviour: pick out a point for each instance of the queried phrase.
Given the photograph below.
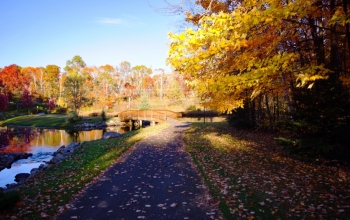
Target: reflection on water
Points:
(41, 143)
(21, 139)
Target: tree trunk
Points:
(335, 62)
(317, 38)
(253, 112)
(347, 26)
(268, 112)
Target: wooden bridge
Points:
(158, 116)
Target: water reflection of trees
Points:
(74, 135)
(16, 139)
(4, 141)
(21, 139)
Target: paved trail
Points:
(155, 180)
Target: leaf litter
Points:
(250, 174)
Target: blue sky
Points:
(42, 32)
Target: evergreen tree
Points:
(175, 94)
(320, 116)
(144, 105)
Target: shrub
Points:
(73, 117)
(191, 108)
(307, 146)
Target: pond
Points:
(42, 143)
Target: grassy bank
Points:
(51, 120)
(52, 190)
(252, 177)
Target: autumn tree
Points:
(12, 82)
(259, 55)
(90, 75)
(147, 85)
(76, 63)
(104, 93)
(74, 90)
(51, 78)
(158, 81)
(26, 97)
(40, 80)
(105, 80)
(250, 50)
(61, 100)
(120, 75)
(137, 76)
(43, 81)
(34, 85)
(125, 68)
(129, 92)
(175, 93)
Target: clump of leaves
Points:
(9, 199)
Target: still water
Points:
(42, 143)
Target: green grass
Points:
(56, 121)
(57, 186)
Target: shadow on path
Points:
(156, 179)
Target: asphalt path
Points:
(155, 179)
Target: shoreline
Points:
(78, 127)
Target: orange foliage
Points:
(12, 80)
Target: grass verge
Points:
(56, 121)
(52, 190)
(253, 179)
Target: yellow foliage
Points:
(232, 55)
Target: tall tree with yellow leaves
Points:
(262, 53)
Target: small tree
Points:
(175, 94)
(103, 115)
(26, 98)
(144, 105)
(51, 104)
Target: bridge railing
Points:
(142, 115)
(169, 113)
